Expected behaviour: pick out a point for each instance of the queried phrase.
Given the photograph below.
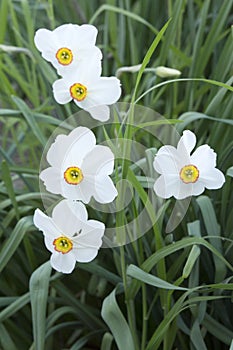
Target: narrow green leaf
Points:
(98, 270)
(3, 19)
(149, 53)
(115, 320)
(139, 274)
(230, 171)
(38, 287)
(57, 313)
(196, 336)
(183, 243)
(30, 119)
(11, 244)
(158, 335)
(190, 117)
(129, 14)
(152, 261)
(106, 343)
(6, 176)
(167, 82)
(169, 39)
(213, 230)
(217, 329)
(5, 340)
(88, 314)
(192, 258)
(16, 305)
(79, 344)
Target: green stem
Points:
(144, 318)
(129, 303)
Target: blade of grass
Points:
(11, 244)
(213, 230)
(140, 275)
(115, 320)
(38, 287)
(30, 119)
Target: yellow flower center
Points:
(78, 91)
(63, 245)
(73, 175)
(189, 174)
(64, 56)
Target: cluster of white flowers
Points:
(72, 51)
(80, 169)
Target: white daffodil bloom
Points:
(68, 235)
(79, 168)
(183, 174)
(68, 45)
(88, 90)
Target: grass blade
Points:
(115, 320)
(38, 286)
(30, 119)
(139, 274)
(12, 243)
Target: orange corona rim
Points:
(78, 91)
(63, 245)
(189, 174)
(64, 56)
(73, 175)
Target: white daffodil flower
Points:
(79, 168)
(88, 90)
(183, 174)
(68, 235)
(68, 45)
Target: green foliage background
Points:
(164, 291)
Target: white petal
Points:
(76, 36)
(87, 35)
(107, 90)
(85, 254)
(204, 158)
(167, 186)
(99, 161)
(166, 161)
(65, 34)
(47, 226)
(101, 113)
(83, 191)
(184, 190)
(61, 91)
(87, 72)
(213, 179)
(67, 216)
(196, 188)
(81, 58)
(79, 148)
(64, 263)
(77, 144)
(186, 144)
(49, 243)
(91, 234)
(44, 223)
(56, 151)
(102, 91)
(105, 190)
(44, 40)
(52, 179)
